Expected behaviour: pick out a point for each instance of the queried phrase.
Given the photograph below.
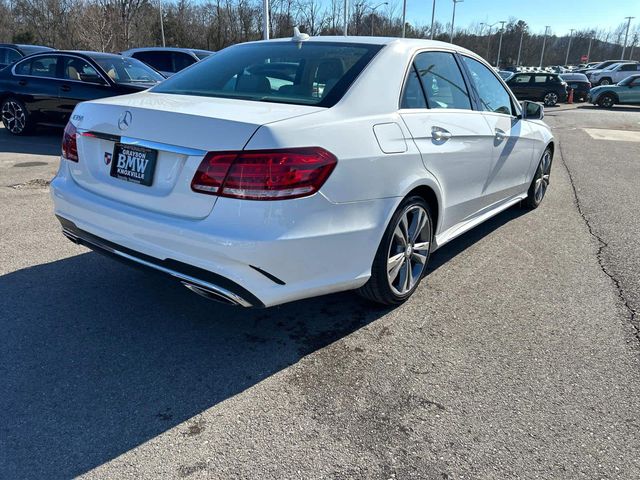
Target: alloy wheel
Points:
(604, 82)
(409, 250)
(550, 99)
(606, 101)
(542, 177)
(13, 116)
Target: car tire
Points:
(606, 101)
(550, 99)
(540, 181)
(605, 81)
(15, 117)
(403, 254)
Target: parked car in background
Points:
(608, 64)
(45, 87)
(579, 83)
(614, 73)
(257, 192)
(582, 68)
(626, 92)
(168, 60)
(12, 52)
(540, 87)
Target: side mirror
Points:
(532, 110)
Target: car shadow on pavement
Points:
(98, 358)
(44, 141)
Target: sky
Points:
(561, 15)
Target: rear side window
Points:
(8, 56)
(161, 61)
(442, 80)
(493, 96)
(540, 79)
(413, 96)
(307, 73)
(38, 67)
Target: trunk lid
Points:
(180, 128)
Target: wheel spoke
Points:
(420, 246)
(419, 257)
(407, 276)
(420, 222)
(394, 264)
(399, 234)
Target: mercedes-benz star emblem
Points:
(125, 120)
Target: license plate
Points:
(133, 163)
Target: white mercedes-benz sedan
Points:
(285, 169)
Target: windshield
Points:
(611, 67)
(305, 73)
(127, 70)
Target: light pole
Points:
(453, 18)
(404, 18)
(265, 19)
(373, 11)
(433, 17)
(566, 59)
(346, 17)
(520, 48)
(488, 37)
(626, 36)
(633, 45)
(161, 24)
(500, 44)
(544, 41)
(591, 34)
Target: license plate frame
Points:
(134, 163)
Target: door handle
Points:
(65, 88)
(22, 83)
(500, 134)
(440, 134)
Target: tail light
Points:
(264, 174)
(69, 144)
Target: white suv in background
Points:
(616, 73)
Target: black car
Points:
(45, 87)
(539, 86)
(12, 52)
(579, 83)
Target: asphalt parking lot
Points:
(518, 358)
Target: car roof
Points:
(574, 76)
(170, 49)
(24, 46)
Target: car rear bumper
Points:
(263, 253)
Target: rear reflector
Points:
(264, 174)
(69, 144)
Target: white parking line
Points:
(613, 135)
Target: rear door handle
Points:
(65, 88)
(439, 134)
(500, 134)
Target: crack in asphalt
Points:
(602, 245)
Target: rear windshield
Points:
(306, 73)
(127, 70)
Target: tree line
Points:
(116, 25)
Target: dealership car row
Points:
(27, 87)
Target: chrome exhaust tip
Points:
(216, 296)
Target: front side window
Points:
(79, 70)
(493, 96)
(307, 73)
(44, 66)
(442, 80)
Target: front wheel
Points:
(550, 99)
(401, 259)
(606, 101)
(15, 117)
(540, 181)
(605, 81)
